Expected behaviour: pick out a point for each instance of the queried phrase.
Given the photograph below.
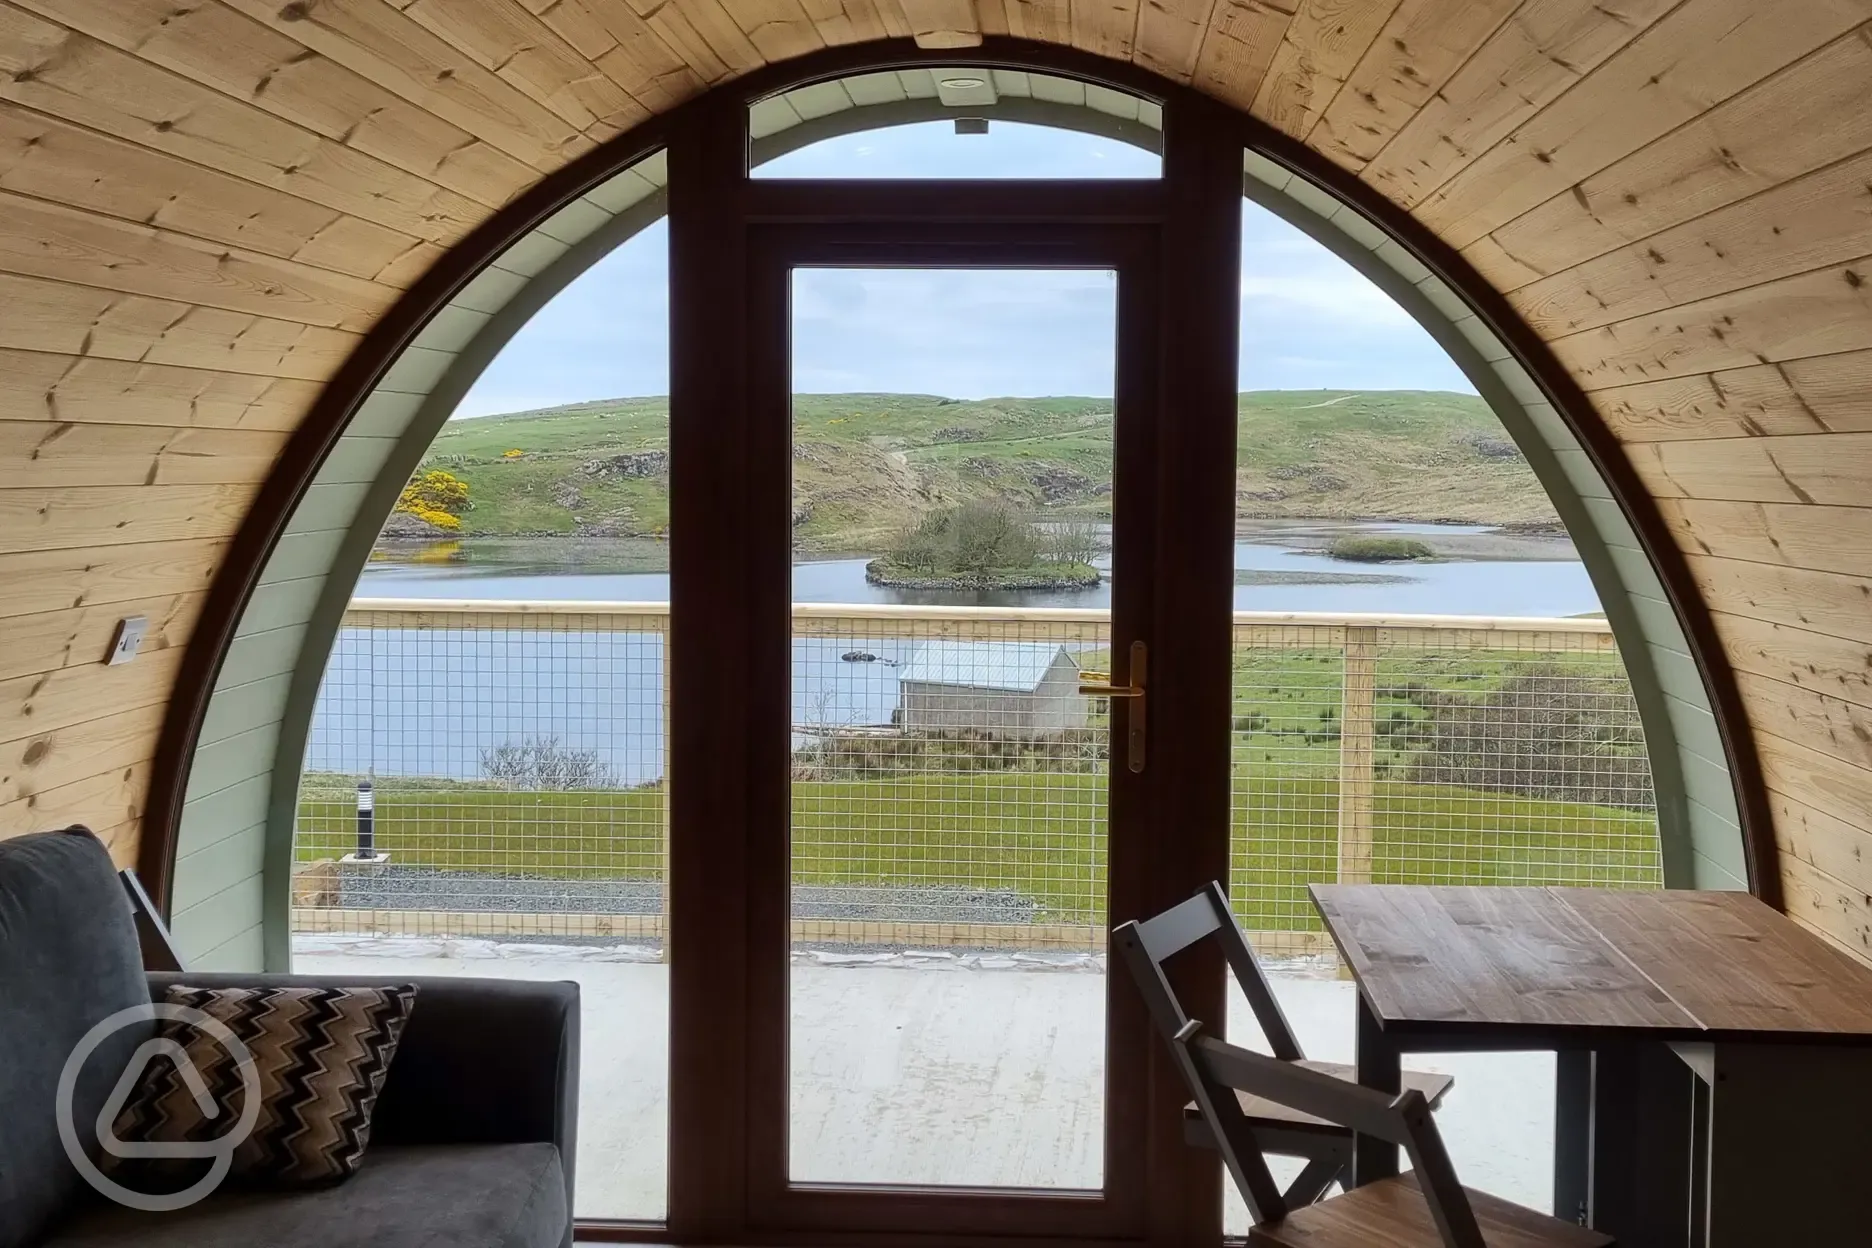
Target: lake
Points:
(1554, 585)
(402, 702)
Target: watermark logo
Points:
(220, 1150)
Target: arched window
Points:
(766, 695)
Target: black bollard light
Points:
(366, 822)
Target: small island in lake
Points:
(987, 544)
(1360, 548)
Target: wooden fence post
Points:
(1357, 738)
(667, 634)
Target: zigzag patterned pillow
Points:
(320, 1054)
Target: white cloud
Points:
(1348, 297)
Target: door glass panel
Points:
(952, 469)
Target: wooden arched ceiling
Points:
(205, 204)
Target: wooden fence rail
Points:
(1359, 638)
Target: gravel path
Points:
(393, 887)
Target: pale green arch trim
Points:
(232, 895)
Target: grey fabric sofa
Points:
(472, 1144)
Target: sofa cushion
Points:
(445, 1195)
(320, 1056)
(68, 960)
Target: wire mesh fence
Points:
(514, 762)
(948, 774)
(1433, 752)
(948, 779)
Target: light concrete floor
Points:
(912, 1074)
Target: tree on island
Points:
(988, 542)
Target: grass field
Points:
(1041, 835)
(1039, 831)
(864, 464)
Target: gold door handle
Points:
(1099, 684)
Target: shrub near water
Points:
(988, 541)
(1378, 549)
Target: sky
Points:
(1309, 321)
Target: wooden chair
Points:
(1426, 1208)
(1326, 1147)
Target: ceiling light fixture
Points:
(963, 84)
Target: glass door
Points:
(958, 425)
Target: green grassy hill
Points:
(864, 464)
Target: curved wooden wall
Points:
(204, 206)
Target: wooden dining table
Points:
(1714, 1072)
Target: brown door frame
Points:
(774, 252)
(733, 242)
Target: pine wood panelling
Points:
(49, 159)
(1700, 54)
(231, 53)
(1796, 226)
(1240, 46)
(1837, 910)
(1424, 43)
(1169, 34)
(55, 580)
(85, 517)
(62, 244)
(1824, 783)
(1829, 539)
(59, 318)
(1808, 660)
(1825, 602)
(44, 454)
(386, 46)
(1827, 725)
(73, 638)
(701, 33)
(778, 29)
(631, 52)
(31, 705)
(1826, 844)
(1827, 394)
(1104, 27)
(1048, 21)
(1827, 469)
(41, 385)
(111, 798)
(62, 73)
(61, 756)
(1542, 49)
(1319, 50)
(1828, 310)
(515, 44)
(1807, 116)
(947, 23)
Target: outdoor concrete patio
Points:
(932, 1070)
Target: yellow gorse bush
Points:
(436, 497)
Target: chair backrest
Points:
(1215, 1070)
(1145, 946)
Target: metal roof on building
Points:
(1016, 665)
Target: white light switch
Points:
(129, 636)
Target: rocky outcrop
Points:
(634, 465)
(1055, 576)
(403, 527)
